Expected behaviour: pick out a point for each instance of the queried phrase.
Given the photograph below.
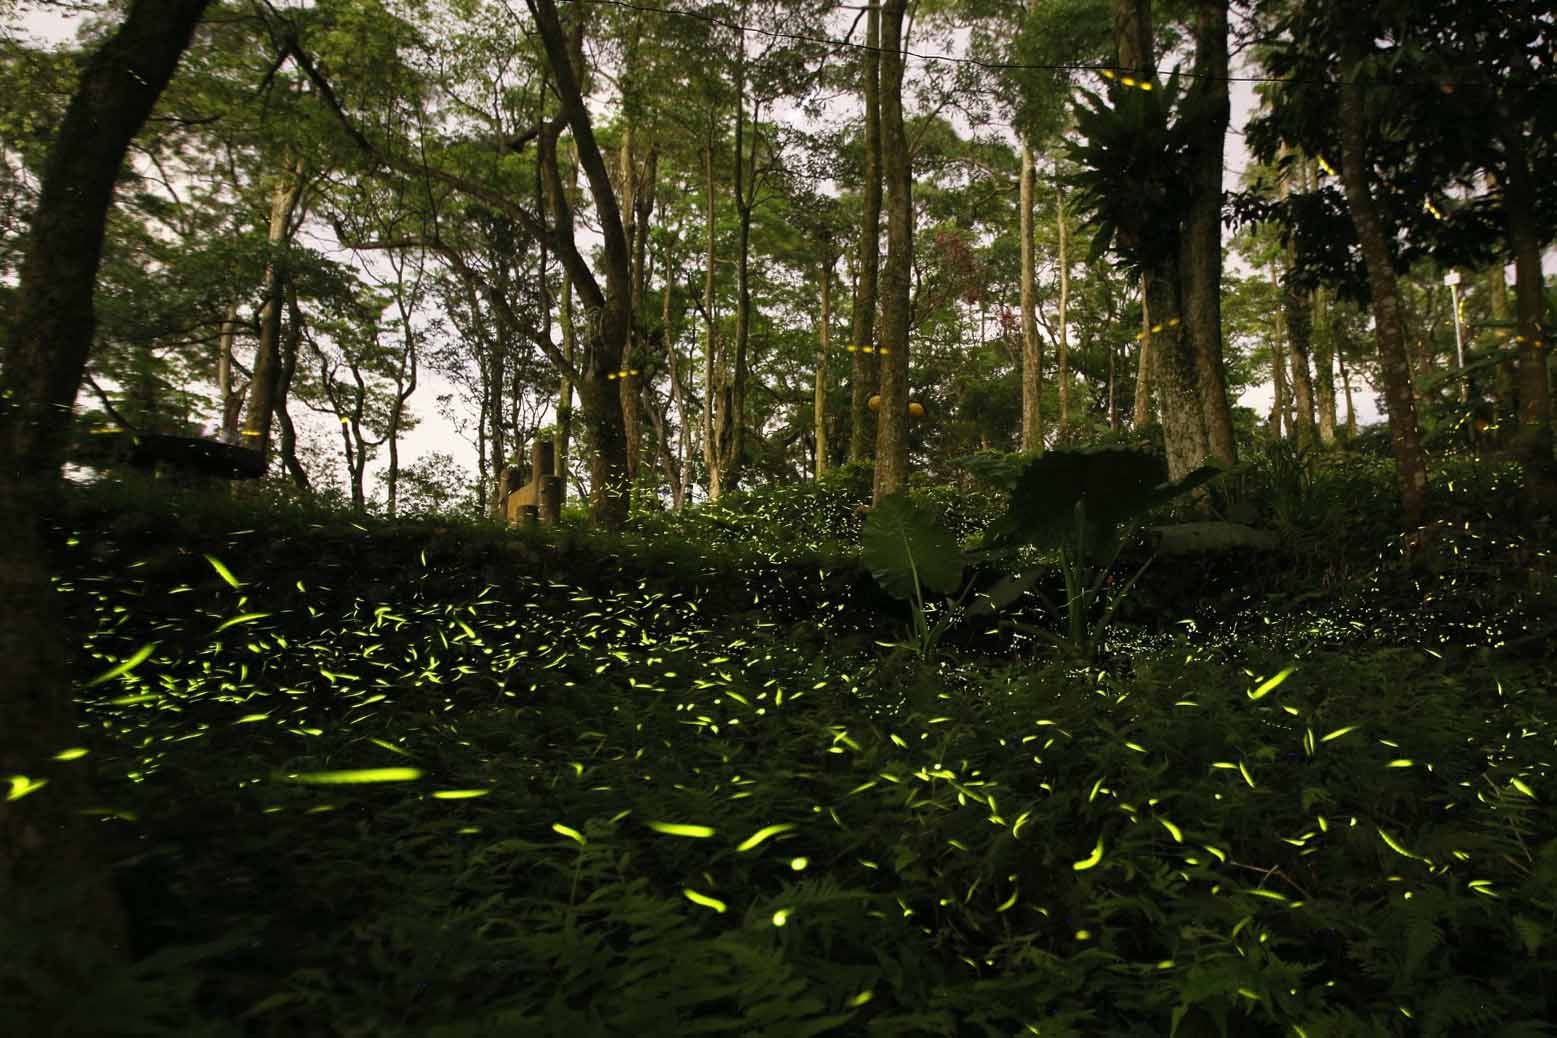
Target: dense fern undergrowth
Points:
(421, 777)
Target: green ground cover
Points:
(424, 778)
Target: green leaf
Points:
(902, 541)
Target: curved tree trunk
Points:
(263, 385)
(48, 865)
(608, 312)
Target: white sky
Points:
(435, 434)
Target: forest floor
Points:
(422, 778)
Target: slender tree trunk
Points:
(405, 386)
(231, 398)
(824, 349)
(734, 461)
(294, 337)
(863, 374)
(679, 476)
(1278, 424)
(1505, 379)
(1201, 245)
(1062, 351)
(1297, 311)
(1324, 369)
(712, 364)
(1393, 363)
(1299, 328)
(1278, 375)
(632, 420)
(1533, 438)
(1140, 414)
(1346, 384)
(896, 278)
(267, 360)
(51, 878)
(1113, 388)
(1032, 347)
(570, 352)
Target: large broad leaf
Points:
(902, 539)
(1114, 485)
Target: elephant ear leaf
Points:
(1119, 483)
(1162, 494)
(902, 540)
(1006, 591)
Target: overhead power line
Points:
(950, 59)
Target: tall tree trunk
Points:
(713, 366)
(1113, 388)
(1532, 444)
(1324, 368)
(289, 458)
(1297, 311)
(230, 398)
(1201, 245)
(565, 310)
(824, 347)
(1505, 379)
(1299, 329)
(734, 460)
(1032, 347)
(284, 197)
(1140, 414)
(896, 278)
(1173, 372)
(634, 191)
(863, 374)
(609, 311)
(570, 352)
(1180, 403)
(51, 878)
(1278, 378)
(1346, 384)
(1394, 366)
(679, 475)
(405, 386)
(1062, 351)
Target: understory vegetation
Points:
(427, 777)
